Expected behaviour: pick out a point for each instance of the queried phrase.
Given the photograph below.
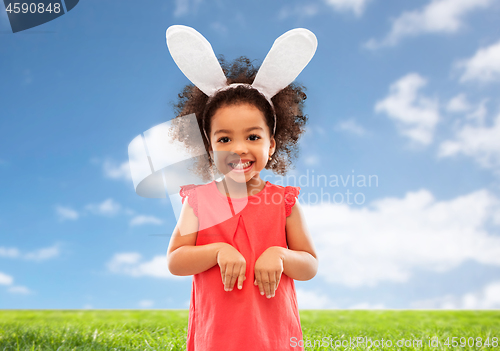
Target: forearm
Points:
(298, 265)
(189, 260)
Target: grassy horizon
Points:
(166, 329)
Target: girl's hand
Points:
(268, 270)
(232, 267)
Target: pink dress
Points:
(241, 320)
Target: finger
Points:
(227, 277)
(259, 282)
(278, 281)
(241, 277)
(265, 279)
(223, 273)
(272, 283)
(234, 276)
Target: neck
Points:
(236, 190)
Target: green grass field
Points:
(166, 330)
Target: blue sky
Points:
(404, 91)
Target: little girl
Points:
(243, 265)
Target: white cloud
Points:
(146, 303)
(129, 211)
(313, 132)
(11, 252)
(218, 27)
(392, 237)
(415, 114)
(479, 113)
(438, 16)
(66, 213)
(308, 10)
(486, 298)
(299, 10)
(458, 104)
(367, 306)
(126, 258)
(350, 126)
(113, 171)
(311, 160)
(313, 300)
(477, 141)
(355, 6)
(141, 220)
(5, 279)
(108, 207)
(19, 290)
(130, 263)
(43, 254)
(183, 7)
(37, 255)
(483, 67)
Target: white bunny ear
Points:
(195, 57)
(288, 56)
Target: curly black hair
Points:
(288, 107)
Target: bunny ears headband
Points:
(194, 56)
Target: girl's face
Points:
(240, 133)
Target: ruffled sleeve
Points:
(291, 193)
(190, 191)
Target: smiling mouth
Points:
(241, 165)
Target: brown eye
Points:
(222, 139)
(254, 135)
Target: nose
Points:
(239, 147)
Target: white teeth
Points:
(240, 166)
